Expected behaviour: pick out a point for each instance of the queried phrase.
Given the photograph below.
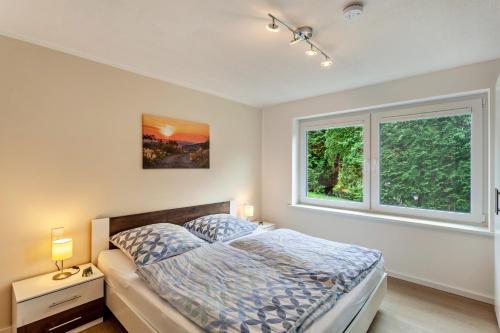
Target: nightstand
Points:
(265, 225)
(41, 304)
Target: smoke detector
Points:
(352, 11)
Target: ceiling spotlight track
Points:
(300, 34)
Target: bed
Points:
(140, 309)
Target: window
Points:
(424, 161)
(336, 154)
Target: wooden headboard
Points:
(103, 228)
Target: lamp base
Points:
(61, 276)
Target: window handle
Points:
(497, 201)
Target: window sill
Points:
(470, 229)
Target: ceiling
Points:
(222, 47)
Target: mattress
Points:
(120, 275)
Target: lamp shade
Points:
(62, 249)
(248, 211)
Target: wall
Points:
(70, 150)
(447, 259)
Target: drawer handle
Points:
(65, 301)
(66, 323)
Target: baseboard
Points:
(443, 287)
(6, 329)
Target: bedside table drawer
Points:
(67, 320)
(48, 305)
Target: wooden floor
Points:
(408, 308)
(411, 308)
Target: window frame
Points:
(427, 112)
(331, 123)
(370, 118)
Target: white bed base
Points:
(135, 323)
(131, 320)
(364, 318)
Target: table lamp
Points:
(62, 249)
(248, 211)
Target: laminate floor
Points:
(411, 308)
(408, 308)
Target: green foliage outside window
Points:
(335, 163)
(424, 163)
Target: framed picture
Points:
(169, 143)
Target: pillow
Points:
(151, 243)
(219, 227)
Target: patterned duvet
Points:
(278, 281)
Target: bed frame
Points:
(103, 228)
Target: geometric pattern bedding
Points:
(312, 253)
(155, 242)
(219, 227)
(255, 285)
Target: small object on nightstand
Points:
(41, 304)
(87, 272)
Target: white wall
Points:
(442, 258)
(70, 150)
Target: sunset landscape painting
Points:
(169, 143)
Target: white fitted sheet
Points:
(120, 275)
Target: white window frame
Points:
(336, 122)
(371, 119)
(472, 107)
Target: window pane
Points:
(335, 163)
(426, 163)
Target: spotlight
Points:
(311, 51)
(273, 27)
(295, 40)
(327, 62)
(300, 34)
